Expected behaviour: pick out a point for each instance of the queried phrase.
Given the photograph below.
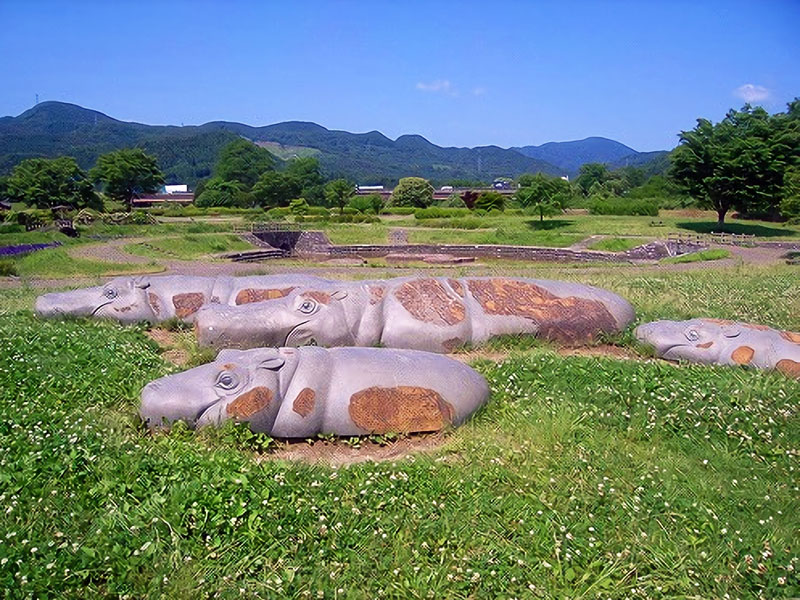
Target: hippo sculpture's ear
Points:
(272, 364)
(339, 295)
(141, 282)
(731, 332)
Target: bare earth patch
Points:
(341, 453)
(168, 341)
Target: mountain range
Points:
(188, 153)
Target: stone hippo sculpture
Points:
(719, 342)
(299, 392)
(155, 299)
(422, 313)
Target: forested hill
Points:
(571, 155)
(188, 153)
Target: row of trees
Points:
(246, 175)
(46, 182)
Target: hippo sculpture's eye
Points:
(227, 380)
(307, 307)
(110, 293)
(692, 335)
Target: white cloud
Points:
(438, 86)
(751, 93)
(478, 91)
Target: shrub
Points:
(623, 206)
(440, 212)
(298, 206)
(489, 201)
(8, 268)
(398, 210)
(279, 212)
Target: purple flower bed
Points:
(25, 248)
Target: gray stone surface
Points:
(422, 313)
(155, 299)
(299, 392)
(720, 342)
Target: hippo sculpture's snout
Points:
(299, 392)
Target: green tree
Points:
(739, 162)
(127, 174)
(490, 201)
(413, 191)
(790, 203)
(549, 195)
(244, 162)
(338, 192)
(47, 182)
(218, 192)
(366, 204)
(591, 173)
(275, 188)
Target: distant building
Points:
(446, 188)
(174, 199)
(369, 188)
(176, 189)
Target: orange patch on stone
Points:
(376, 293)
(427, 300)
(250, 403)
(303, 405)
(743, 355)
(403, 409)
(789, 367)
(457, 287)
(570, 319)
(250, 295)
(155, 303)
(791, 336)
(321, 297)
(704, 346)
(187, 304)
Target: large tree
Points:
(47, 182)
(218, 192)
(549, 195)
(413, 191)
(739, 162)
(244, 162)
(338, 192)
(127, 174)
(591, 173)
(275, 188)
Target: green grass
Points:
(581, 476)
(714, 254)
(56, 263)
(188, 247)
(617, 244)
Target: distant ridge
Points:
(188, 153)
(571, 155)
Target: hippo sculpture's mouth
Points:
(296, 335)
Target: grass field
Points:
(584, 476)
(189, 247)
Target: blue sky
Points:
(459, 73)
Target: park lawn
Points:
(618, 244)
(582, 475)
(56, 263)
(189, 246)
(713, 254)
